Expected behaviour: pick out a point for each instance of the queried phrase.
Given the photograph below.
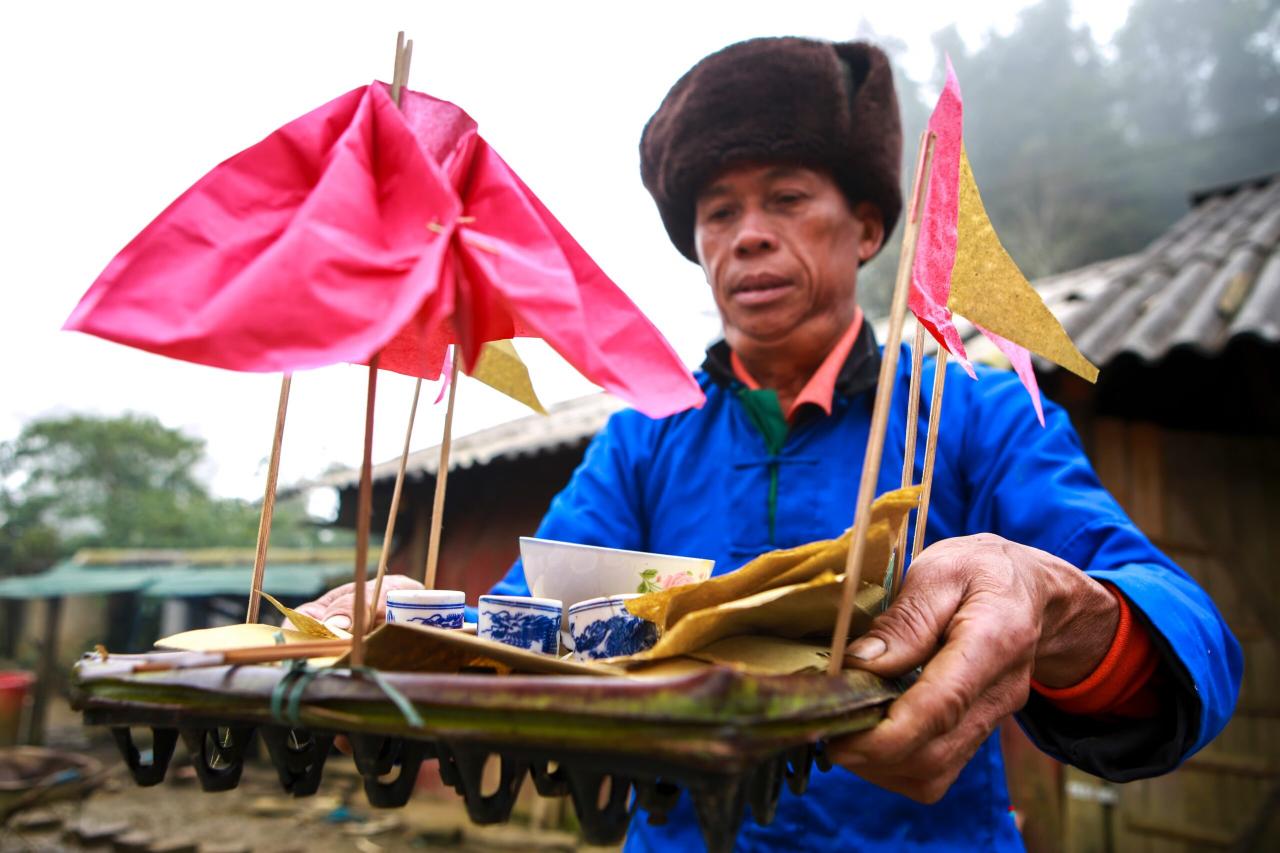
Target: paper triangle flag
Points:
(501, 368)
(988, 289)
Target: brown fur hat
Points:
(797, 100)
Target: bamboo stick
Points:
(251, 655)
(442, 478)
(880, 410)
(268, 505)
(909, 451)
(930, 450)
(395, 508)
(400, 78)
(364, 507)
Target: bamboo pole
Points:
(909, 451)
(930, 450)
(268, 505)
(395, 508)
(399, 79)
(364, 507)
(880, 410)
(442, 478)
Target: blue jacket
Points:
(698, 483)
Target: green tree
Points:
(122, 482)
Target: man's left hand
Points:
(983, 615)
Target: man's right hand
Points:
(335, 606)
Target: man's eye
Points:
(789, 198)
(720, 214)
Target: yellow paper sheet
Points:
(239, 636)
(307, 625)
(797, 611)
(501, 368)
(783, 568)
(988, 289)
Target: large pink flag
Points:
(936, 251)
(361, 229)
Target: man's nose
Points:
(754, 236)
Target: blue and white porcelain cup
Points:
(435, 608)
(521, 621)
(604, 628)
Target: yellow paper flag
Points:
(989, 290)
(500, 367)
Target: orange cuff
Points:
(1122, 684)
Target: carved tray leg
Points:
(467, 765)
(298, 756)
(601, 824)
(151, 773)
(720, 804)
(376, 757)
(218, 754)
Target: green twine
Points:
(286, 696)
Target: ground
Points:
(176, 816)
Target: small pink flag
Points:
(936, 251)
(1021, 361)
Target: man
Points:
(775, 164)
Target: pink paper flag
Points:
(936, 251)
(1021, 361)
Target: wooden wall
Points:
(1212, 502)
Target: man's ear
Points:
(872, 229)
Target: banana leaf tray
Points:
(729, 738)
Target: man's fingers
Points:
(974, 660)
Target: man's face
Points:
(780, 248)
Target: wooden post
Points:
(442, 478)
(364, 506)
(268, 505)
(880, 409)
(46, 672)
(930, 450)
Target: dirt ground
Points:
(177, 817)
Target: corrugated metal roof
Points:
(1212, 278)
(70, 578)
(565, 424)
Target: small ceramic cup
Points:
(521, 621)
(603, 628)
(435, 608)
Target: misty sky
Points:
(114, 109)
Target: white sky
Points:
(112, 109)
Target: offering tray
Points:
(729, 737)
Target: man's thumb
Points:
(900, 639)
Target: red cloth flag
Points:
(360, 229)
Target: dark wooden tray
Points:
(732, 739)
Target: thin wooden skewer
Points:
(909, 451)
(254, 654)
(404, 55)
(442, 478)
(930, 450)
(268, 505)
(395, 508)
(364, 506)
(880, 409)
